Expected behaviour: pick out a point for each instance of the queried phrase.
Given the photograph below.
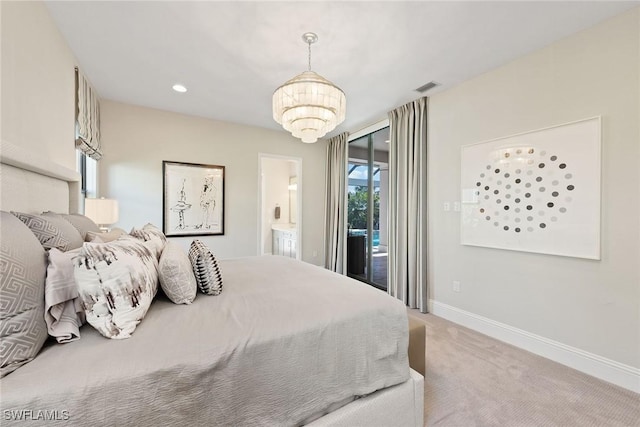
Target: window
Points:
(88, 169)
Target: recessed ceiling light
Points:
(179, 88)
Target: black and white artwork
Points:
(193, 200)
(536, 192)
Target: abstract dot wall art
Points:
(537, 191)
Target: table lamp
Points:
(103, 212)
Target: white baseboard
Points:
(600, 367)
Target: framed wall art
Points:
(537, 191)
(193, 199)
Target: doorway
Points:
(280, 205)
(367, 208)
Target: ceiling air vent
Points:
(427, 86)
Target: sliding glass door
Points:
(368, 189)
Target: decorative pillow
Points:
(151, 233)
(110, 236)
(52, 231)
(206, 269)
(23, 268)
(82, 223)
(176, 275)
(116, 282)
(63, 311)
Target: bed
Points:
(308, 347)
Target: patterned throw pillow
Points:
(176, 275)
(22, 274)
(151, 233)
(116, 284)
(52, 231)
(81, 223)
(205, 268)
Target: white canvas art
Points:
(536, 192)
(193, 202)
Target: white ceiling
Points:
(233, 55)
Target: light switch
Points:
(446, 206)
(456, 206)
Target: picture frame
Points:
(193, 199)
(537, 191)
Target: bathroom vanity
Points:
(284, 240)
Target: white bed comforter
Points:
(284, 343)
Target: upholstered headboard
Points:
(32, 183)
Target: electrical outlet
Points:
(446, 206)
(315, 254)
(456, 286)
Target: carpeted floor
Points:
(473, 380)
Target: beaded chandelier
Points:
(309, 105)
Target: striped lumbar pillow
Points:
(205, 268)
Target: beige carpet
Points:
(473, 380)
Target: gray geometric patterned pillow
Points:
(176, 275)
(52, 231)
(205, 268)
(116, 284)
(22, 273)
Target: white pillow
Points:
(116, 282)
(63, 311)
(176, 275)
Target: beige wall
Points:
(591, 305)
(37, 83)
(136, 140)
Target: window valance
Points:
(87, 118)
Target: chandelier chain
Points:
(309, 42)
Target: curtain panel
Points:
(407, 259)
(87, 118)
(335, 253)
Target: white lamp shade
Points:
(102, 211)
